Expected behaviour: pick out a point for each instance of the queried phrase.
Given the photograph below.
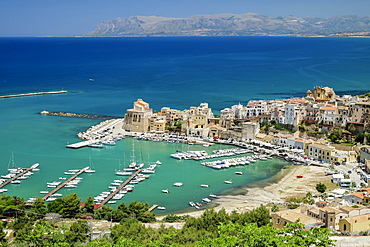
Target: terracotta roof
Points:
(328, 108)
(358, 194)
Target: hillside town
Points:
(325, 128)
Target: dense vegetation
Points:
(38, 225)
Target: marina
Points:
(22, 171)
(114, 192)
(61, 185)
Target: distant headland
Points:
(248, 24)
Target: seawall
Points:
(32, 94)
(77, 115)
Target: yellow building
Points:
(355, 224)
(329, 153)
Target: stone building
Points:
(137, 119)
(321, 94)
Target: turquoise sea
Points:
(106, 75)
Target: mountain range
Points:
(233, 25)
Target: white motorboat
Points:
(161, 208)
(178, 184)
(123, 173)
(238, 173)
(204, 185)
(206, 200)
(44, 192)
(96, 145)
(148, 171)
(15, 182)
(165, 191)
(109, 142)
(112, 202)
(158, 162)
(212, 195)
(228, 182)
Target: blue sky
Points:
(77, 17)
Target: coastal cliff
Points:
(233, 25)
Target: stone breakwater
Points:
(77, 115)
(32, 94)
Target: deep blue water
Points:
(106, 75)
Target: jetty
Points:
(31, 94)
(18, 175)
(77, 115)
(82, 144)
(64, 183)
(119, 188)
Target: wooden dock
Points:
(119, 188)
(31, 94)
(16, 176)
(152, 207)
(63, 184)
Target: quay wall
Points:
(78, 115)
(31, 94)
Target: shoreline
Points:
(276, 189)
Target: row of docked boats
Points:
(110, 142)
(17, 174)
(118, 195)
(226, 163)
(200, 155)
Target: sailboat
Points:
(89, 170)
(123, 172)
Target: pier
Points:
(64, 183)
(31, 94)
(16, 176)
(82, 144)
(77, 115)
(119, 188)
(152, 207)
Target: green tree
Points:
(38, 208)
(251, 235)
(3, 241)
(42, 233)
(56, 206)
(78, 232)
(320, 187)
(71, 205)
(89, 205)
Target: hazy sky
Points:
(76, 17)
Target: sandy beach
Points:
(284, 185)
